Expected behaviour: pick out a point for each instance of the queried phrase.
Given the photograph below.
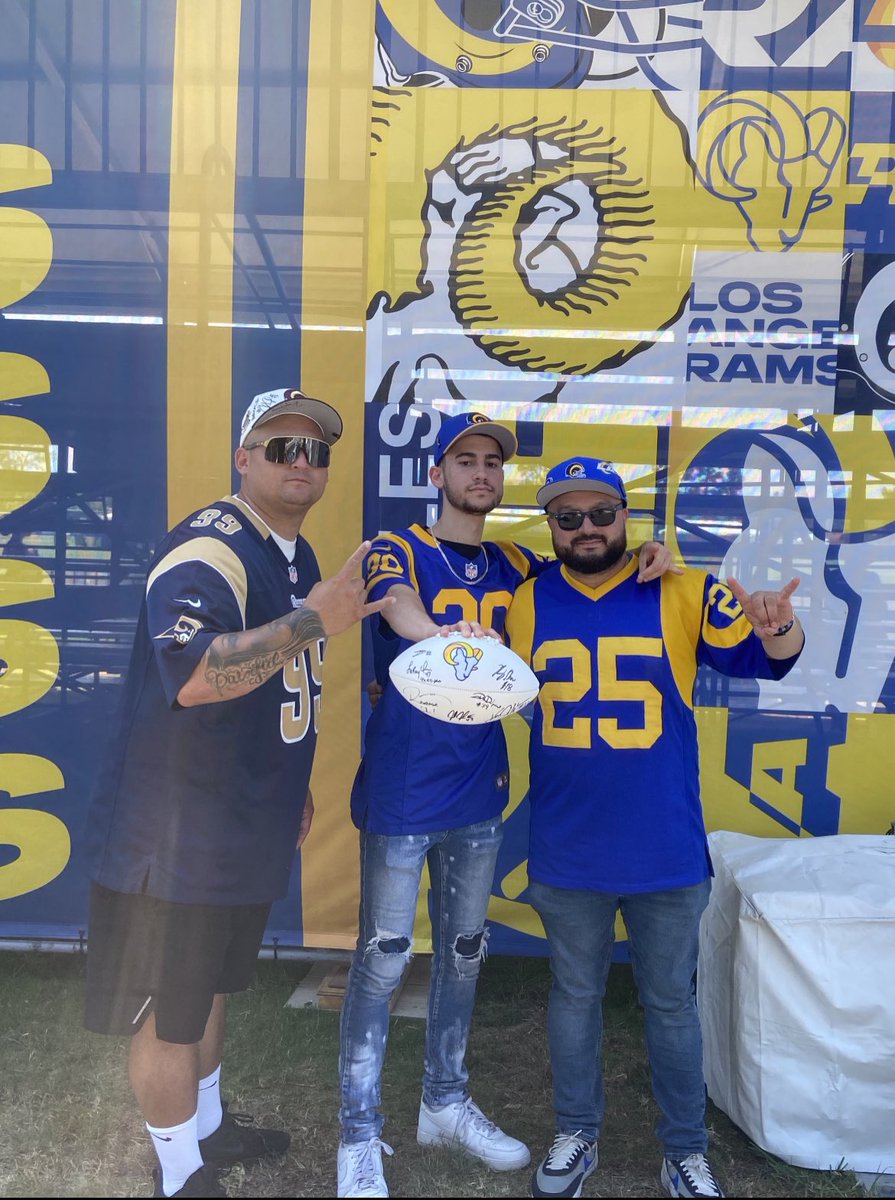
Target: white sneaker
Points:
(360, 1168)
(466, 1127)
(690, 1176)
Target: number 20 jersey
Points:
(614, 784)
(418, 774)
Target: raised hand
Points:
(766, 611)
(655, 560)
(340, 601)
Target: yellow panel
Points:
(335, 214)
(857, 774)
(200, 253)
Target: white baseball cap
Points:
(267, 405)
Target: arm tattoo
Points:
(242, 661)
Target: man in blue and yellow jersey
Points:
(204, 794)
(431, 792)
(616, 817)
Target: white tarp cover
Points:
(796, 991)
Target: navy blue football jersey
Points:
(203, 804)
(418, 774)
(614, 782)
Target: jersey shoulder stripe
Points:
(520, 625)
(250, 515)
(207, 552)
(517, 556)
(382, 543)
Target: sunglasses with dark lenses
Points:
(285, 450)
(573, 518)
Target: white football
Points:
(467, 681)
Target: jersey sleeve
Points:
(195, 591)
(389, 561)
(729, 643)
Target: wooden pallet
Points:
(325, 984)
(331, 990)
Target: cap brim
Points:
(504, 437)
(551, 490)
(318, 411)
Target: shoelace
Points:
(473, 1115)
(565, 1147)
(368, 1164)
(698, 1171)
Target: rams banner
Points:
(659, 233)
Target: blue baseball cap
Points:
(582, 475)
(454, 428)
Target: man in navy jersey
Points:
(204, 795)
(429, 792)
(616, 818)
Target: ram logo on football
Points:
(466, 681)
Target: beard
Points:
(478, 505)
(592, 556)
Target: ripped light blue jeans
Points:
(461, 870)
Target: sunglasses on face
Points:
(573, 518)
(285, 450)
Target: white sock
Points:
(178, 1153)
(210, 1113)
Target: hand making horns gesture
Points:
(766, 611)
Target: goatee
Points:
(593, 559)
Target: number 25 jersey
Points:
(614, 784)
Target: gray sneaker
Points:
(569, 1161)
(690, 1176)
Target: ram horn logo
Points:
(478, 419)
(463, 658)
(573, 470)
(769, 160)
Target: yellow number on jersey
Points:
(579, 735)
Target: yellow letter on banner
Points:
(42, 839)
(29, 664)
(24, 462)
(26, 244)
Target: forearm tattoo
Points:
(241, 661)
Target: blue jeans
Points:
(461, 870)
(663, 938)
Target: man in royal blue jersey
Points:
(616, 818)
(427, 792)
(204, 795)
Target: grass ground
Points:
(68, 1126)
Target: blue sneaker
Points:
(690, 1176)
(569, 1161)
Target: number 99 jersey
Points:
(614, 783)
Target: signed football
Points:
(466, 681)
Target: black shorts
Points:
(152, 956)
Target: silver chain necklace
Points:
(472, 571)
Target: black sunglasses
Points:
(285, 450)
(572, 518)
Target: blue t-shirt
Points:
(614, 783)
(418, 774)
(202, 805)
